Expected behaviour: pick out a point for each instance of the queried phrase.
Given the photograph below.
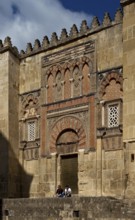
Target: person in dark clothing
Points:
(59, 191)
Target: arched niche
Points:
(67, 142)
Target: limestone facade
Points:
(67, 111)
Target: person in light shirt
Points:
(67, 191)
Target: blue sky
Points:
(95, 7)
(27, 20)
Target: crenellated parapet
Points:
(7, 45)
(64, 38)
(107, 20)
(118, 16)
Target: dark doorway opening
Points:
(69, 171)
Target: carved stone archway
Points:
(67, 123)
(67, 142)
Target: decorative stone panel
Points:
(58, 86)
(111, 86)
(30, 116)
(29, 105)
(68, 80)
(74, 66)
(109, 112)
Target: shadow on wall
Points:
(11, 173)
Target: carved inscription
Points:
(69, 54)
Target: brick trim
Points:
(107, 79)
(69, 122)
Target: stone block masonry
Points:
(81, 208)
(67, 116)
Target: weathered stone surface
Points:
(82, 208)
(67, 113)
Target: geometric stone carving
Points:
(111, 82)
(29, 124)
(30, 105)
(86, 79)
(76, 82)
(113, 115)
(58, 94)
(50, 89)
(68, 79)
(67, 84)
(29, 112)
(31, 130)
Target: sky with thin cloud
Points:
(27, 20)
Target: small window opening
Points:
(113, 116)
(132, 157)
(31, 131)
(75, 213)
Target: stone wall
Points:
(13, 127)
(129, 93)
(4, 124)
(100, 173)
(71, 85)
(82, 208)
(52, 72)
(129, 71)
(9, 129)
(109, 47)
(30, 74)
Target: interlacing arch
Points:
(62, 68)
(106, 82)
(53, 71)
(29, 98)
(68, 80)
(66, 65)
(85, 60)
(69, 122)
